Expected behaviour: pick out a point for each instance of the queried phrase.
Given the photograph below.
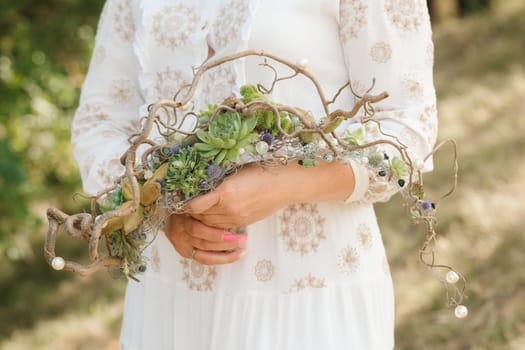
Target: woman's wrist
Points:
(328, 182)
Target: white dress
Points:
(316, 275)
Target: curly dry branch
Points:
(78, 226)
(213, 64)
(363, 101)
(89, 227)
(426, 252)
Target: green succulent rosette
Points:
(226, 136)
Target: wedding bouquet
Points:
(224, 137)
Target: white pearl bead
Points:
(461, 311)
(452, 277)
(303, 63)
(364, 160)
(262, 147)
(241, 150)
(58, 263)
(419, 164)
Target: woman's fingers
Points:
(206, 245)
(218, 258)
(203, 202)
(203, 244)
(197, 229)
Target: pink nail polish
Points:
(243, 240)
(229, 237)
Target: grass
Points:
(480, 79)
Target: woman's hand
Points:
(245, 197)
(205, 244)
(254, 193)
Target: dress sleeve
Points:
(391, 41)
(109, 103)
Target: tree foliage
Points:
(445, 8)
(44, 50)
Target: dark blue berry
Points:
(426, 205)
(214, 172)
(401, 182)
(300, 162)
(268, 138)
(433, 205)
(142, 268)
(381, 173)
(386, 156)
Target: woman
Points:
(313, 272)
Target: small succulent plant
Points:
(355, 137)
(185, 172)
(397, 167)
(126, 246)
(266, 119)
(226, 135)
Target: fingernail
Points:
(243, 240)
(243, 253)
(229, 237)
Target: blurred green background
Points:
(480, 79)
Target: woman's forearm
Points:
(327, 182)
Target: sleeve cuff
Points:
(361, 182)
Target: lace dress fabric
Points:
(316, 275)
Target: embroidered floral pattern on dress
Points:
(307, 282)
(352, 18)
(197, 276)
(122, 20)
(364, 235)
(121, 90)
(168, 83)
(406, 15)
(132, 128)
(428, 122)
(302, 228)
(413, 86)
(87, 116)
(359, 87)
(264, 270)
(172, 25)
(381, 52)
(228, 25)
(109, 170)
(219, 83)
(348, 260)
